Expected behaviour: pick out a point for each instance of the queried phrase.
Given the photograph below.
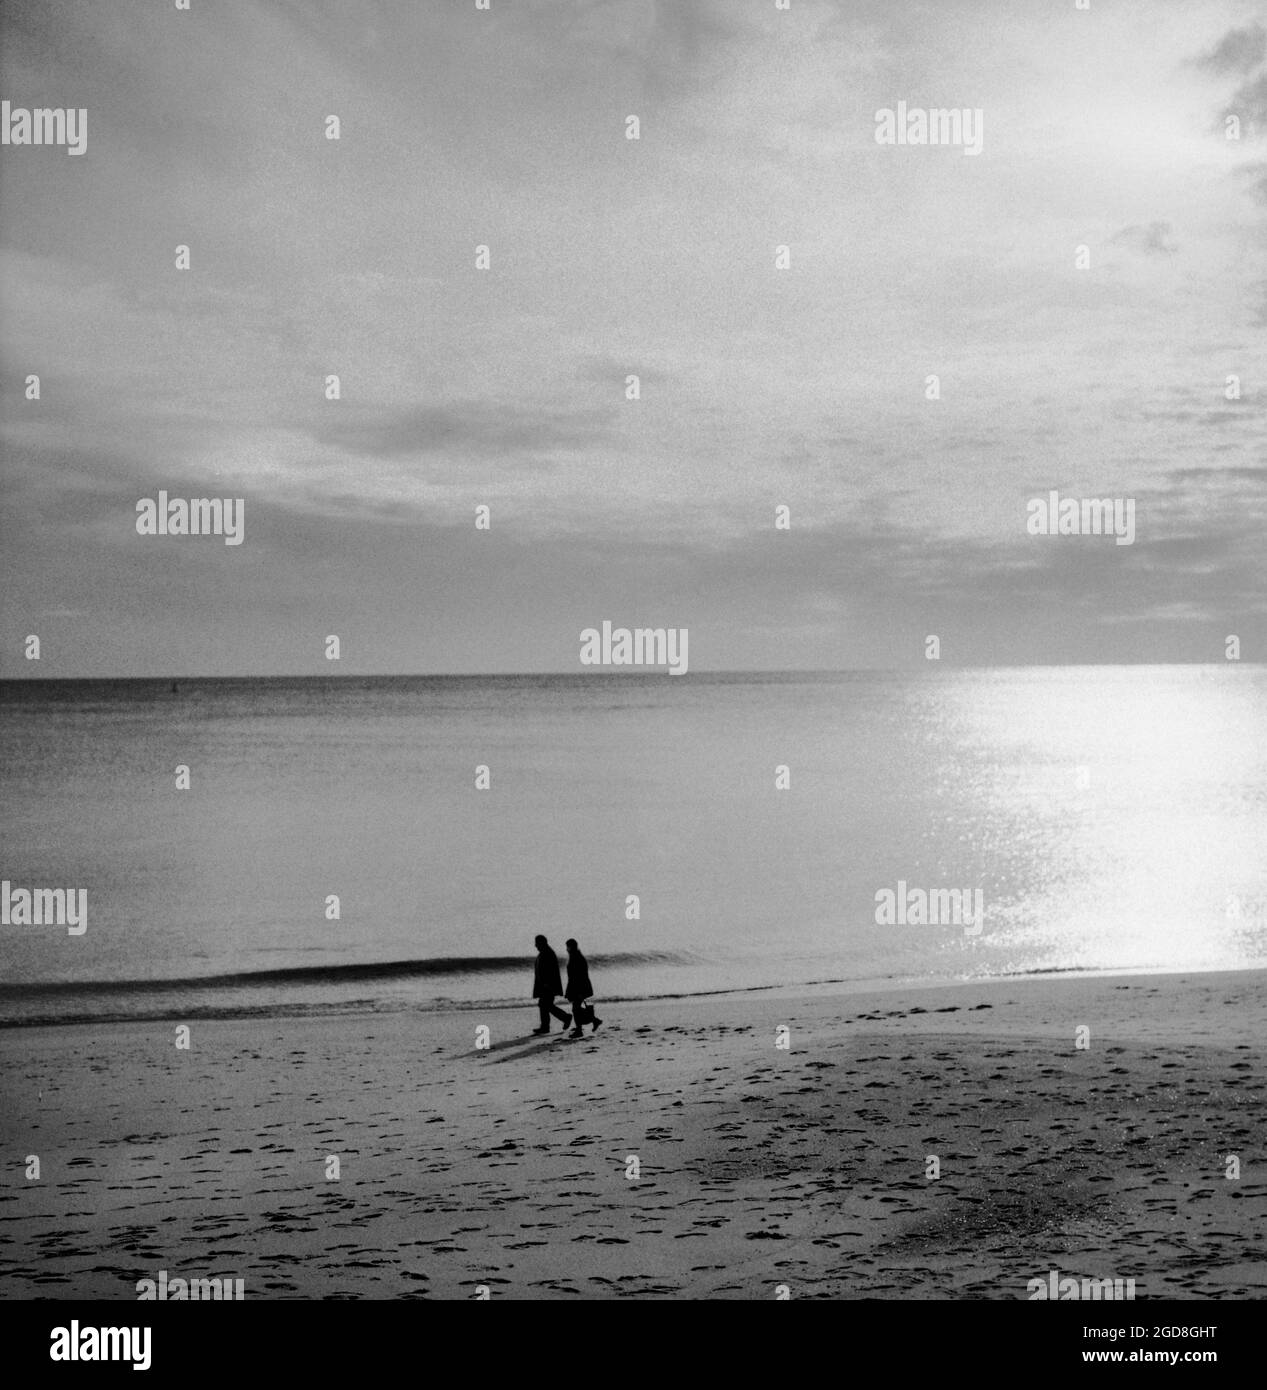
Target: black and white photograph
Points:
(631, 664)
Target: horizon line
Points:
(622, 672)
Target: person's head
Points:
(570, 943)
(542, 943)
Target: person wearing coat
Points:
(546, 983)
(579, 990)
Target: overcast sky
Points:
(506, 387)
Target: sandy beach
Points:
(757, 1166)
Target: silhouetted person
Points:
(579, 990)
(546, 984)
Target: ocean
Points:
(694, 833)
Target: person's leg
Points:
(543, 1007)
(563, 1017)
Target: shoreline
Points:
(280, 1009)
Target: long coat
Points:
(545, 978)
(579, 986)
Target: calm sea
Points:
(1114, 818)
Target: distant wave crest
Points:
(323, 974)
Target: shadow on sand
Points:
(528, 1047)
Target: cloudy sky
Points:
(505, 387)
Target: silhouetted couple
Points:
(546, 984)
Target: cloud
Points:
(663, 49)
(1258, 174)
(1239, 50)
(1250, 101)
(681, 44)
(613, 257)
(1148, 241)
(1260, 313)
(463, 429)
(613, 371)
